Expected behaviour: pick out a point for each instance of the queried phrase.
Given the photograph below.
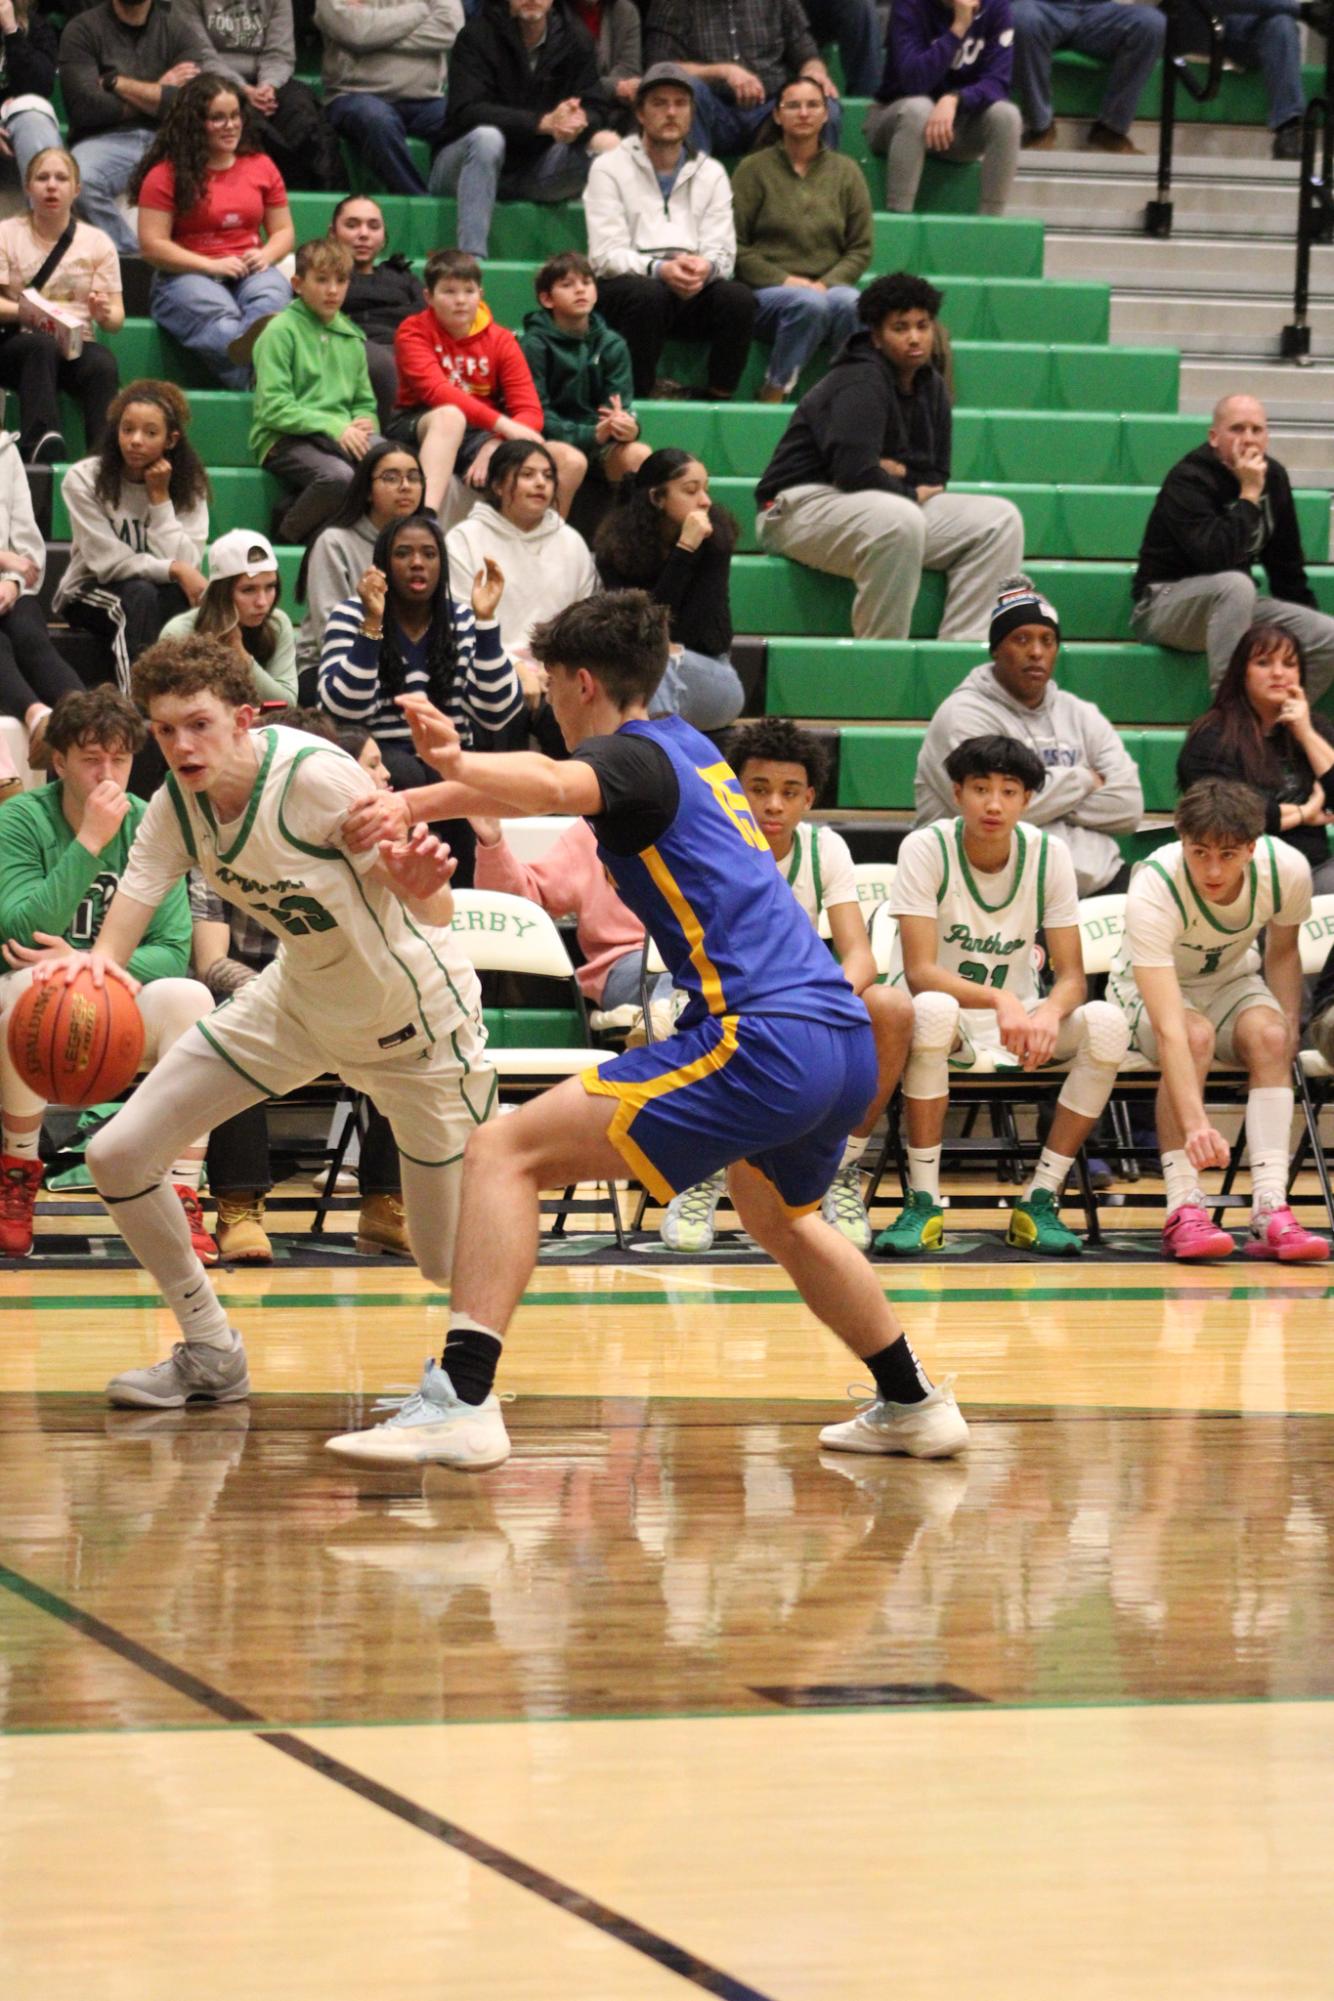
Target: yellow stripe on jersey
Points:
(691, 928)
(637, 1092)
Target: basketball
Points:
(76, 1044)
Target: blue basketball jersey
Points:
(711, 897)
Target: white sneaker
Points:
(931, 1429)
(192, 1372)
(432, 1425)
(844, 1210)
(688, 1223)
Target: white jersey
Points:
(986, 923)
(1168, 922)
(356, 969)
(818, 870)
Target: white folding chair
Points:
(874, 881)
(1312, 1077)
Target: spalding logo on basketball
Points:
(76, 1044)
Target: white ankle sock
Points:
(1050, 1172)
(924, 1171)
(154, 1227)
(853, 1151)
(1181, 1180)
(1268, 1130)
(22, 1146)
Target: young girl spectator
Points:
(667, 537)
(33, 676)
(387, 486)
(405, 631)
(241, 606)
(363, 746)
(27, 80)
(213, 222)
(1260, 730)
(79, 269)
(138, 515)
(384, 291)
(546, 563)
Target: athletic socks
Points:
(899, 1376)
(154, 1227)
(1268, 1132)
(22, 1146)
(187, 1172)
(1050, 1172)
(1180, 1179)
(472, 1354)
(924, 1172)
(853, 1151)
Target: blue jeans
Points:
(204, 313)
(704, 692)
(29, 127)
(797, 321)
(1264, 35)
(379, 128)
(470, 168)
(855, 26)
(723, 127)
(1130, 39)
(106, 164)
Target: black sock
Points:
(899, 1376)
(470, 1361)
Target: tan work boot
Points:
(242, 1238)
(382, 1227)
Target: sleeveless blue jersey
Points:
(710, 895)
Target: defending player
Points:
(364, 984)
(971, 895)
(772, 1064)
(780, 769)
(1188, 980)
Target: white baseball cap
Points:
(240, 553)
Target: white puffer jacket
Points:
(630, 226)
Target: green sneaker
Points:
(1035, 1225)
(920, 1226)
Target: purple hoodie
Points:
(924, 58)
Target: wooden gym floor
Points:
(674, 1701)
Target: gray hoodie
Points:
(387, 48)
(1076, 743)
(254, 39)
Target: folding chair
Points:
(874, 882)
(1312, 1077)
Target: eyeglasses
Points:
(223, 118)
(413, 478)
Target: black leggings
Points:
(31, 363)
(31, 670)
(238, 1156)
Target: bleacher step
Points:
(1184, 262)
(1232, 207)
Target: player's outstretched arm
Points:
(1160, 991)
(419, 872)
(520, 781)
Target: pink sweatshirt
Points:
(569, 881)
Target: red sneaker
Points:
(19, 1181)
(203, 1246)
(1278, 1234)
(1190, 1234)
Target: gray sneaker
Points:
(191, 1371)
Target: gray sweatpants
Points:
(883, 542)
(1209, 615)
(991, 136)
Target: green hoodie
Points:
(576, 374)
(50, 882)
(309, 376)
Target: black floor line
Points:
(673, 1958)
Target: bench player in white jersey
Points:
(971, 895)
(366, 983)
(781, 769)
(1189, 981)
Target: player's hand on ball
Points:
(488, 587)
(381, 816)
(422, 865)
(434, 737)
(1206, 1147)
(67, 965)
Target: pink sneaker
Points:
(1189, 1234)
(1279, 1235)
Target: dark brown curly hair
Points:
(189, 481)
(182, 138)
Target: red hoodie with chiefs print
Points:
(484, 374)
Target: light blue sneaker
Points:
(432, 1426)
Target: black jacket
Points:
(378, 301)
(1200, 525)
(30, 59)
(855, 416)
(693, 584)
(492, 83)
(1203, 756)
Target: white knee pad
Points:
(935, 1026)
(1103, 1042)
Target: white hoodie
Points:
(630, 226)
(545, 568)
(18, 524)
(109, 544)
(1077, 745)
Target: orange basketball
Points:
(76, 1044)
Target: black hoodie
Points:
(857, 415)
(1200, 525)
(492, 82)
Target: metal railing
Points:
(1315, 214)
(1188, 21)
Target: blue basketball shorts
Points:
(775, 1090)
